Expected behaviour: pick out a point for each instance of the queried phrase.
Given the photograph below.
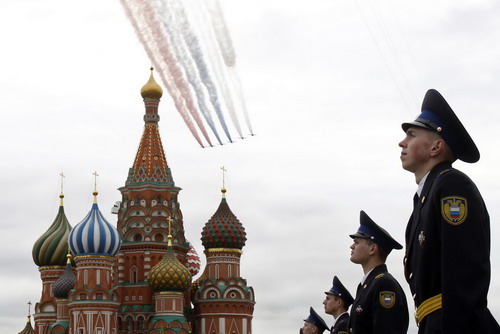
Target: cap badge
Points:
(387, 299)
(454, 209)
(421, 238)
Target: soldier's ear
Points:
(437, 147)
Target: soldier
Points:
(380, 305)
(337, 302)
(314, 324)
(447, 263)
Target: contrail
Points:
(227, 50)
(192, 43)
(172, 64)
(201, 21)
(187, 63)
(147, 38)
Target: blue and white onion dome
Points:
(94, 235)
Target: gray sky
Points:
(327, 84)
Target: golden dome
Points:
(169, 274)
(151, 90)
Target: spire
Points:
(28, 329)
(150, 164)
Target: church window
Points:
(98, 296)
(98, 277)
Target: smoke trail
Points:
(147, 38)
(172, 64)
(222, 33)
(241, 98)
(227, 50)
(187, 63)
(201, 24)
(192, 43)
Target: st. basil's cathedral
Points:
(137, 277)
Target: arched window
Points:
(133, 274)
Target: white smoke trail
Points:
(192, 43)
(222, 33)
(186, 61)
(227, 50)
(201, 24)
(145, 37)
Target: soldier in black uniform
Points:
(380, 305)
(314, 324)
(337, 302)
(447, 263)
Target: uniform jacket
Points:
(448, 253)
(341, 325)
(380, 306)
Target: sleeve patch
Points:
(454, 209)
(387, 298)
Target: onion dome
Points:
(169, 274)
(193, 261)
(28, 329)
(66, 282)
(223, 230)
(94, 235)
(151, 90)
(51, 248)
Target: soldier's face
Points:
(309, 328)
(360, 250)
(331, 304)
(416, 148)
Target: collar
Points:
(366, 276)
(421, 184)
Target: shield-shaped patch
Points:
(387, 299)
(454, 209)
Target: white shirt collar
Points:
(365, 276)
(421, 184)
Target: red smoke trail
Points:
(170, 73)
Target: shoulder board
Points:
(379, 276)
(444, 172)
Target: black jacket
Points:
(448, 253)
(380, 306)
(341, 325)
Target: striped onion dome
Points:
(169, 274)
(51, 248)
(223, 230)
(193, 261)
(94, 235)
(65, 283)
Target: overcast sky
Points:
(327, 85)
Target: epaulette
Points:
(444, 172)
(379, 275)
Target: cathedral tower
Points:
(149, 199)
(49, 254)
(93, 304)
(223, 301)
